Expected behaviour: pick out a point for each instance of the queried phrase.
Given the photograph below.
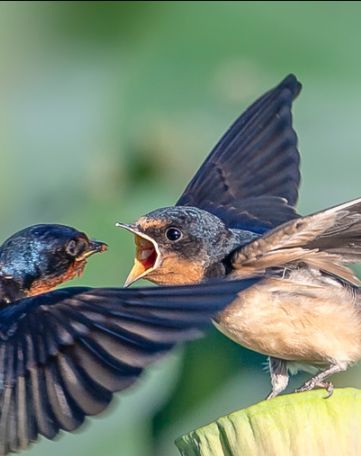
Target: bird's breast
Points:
(295, 321)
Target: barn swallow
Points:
(64, 352)
(249, 182)
(237, 219)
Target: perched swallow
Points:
(248, 183)
(63, 353)
(236, 219)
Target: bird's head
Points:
(179, 245)
(40, 257)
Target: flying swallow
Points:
(236, 219)
(64, 352)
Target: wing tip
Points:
(291, 83)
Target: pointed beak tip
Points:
(126, 226)
(130, 280)
(99, 246)
(103, 247)
(133, 277)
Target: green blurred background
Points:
(108, 108)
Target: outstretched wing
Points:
(326, 240)
(254, 165)
(63, 353)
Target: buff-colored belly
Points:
(295, 321)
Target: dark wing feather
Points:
(63, 354)
(257, 158)
(258, 214)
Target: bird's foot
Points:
(313, 383)
(271, 395)
(279, 376)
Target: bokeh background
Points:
(108, 108)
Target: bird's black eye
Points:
(75, 247)
(173, 234)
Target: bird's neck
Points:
(243, 237)
(240, 238)
(215, 271)
(10, 291)
(220, 268)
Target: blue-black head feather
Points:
(44, 254)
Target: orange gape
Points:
(42, 286)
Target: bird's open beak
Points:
(147, 255)
(94, 247)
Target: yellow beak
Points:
(136, 273)
(147, 256)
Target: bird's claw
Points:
(271, 395)
(311, 384)
(308, 386)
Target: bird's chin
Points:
(147, 259)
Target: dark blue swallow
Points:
(63, 353)
(237, 219)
